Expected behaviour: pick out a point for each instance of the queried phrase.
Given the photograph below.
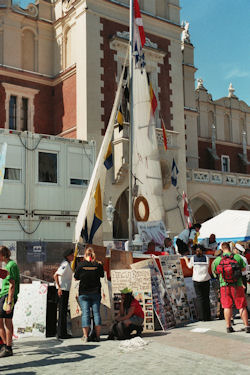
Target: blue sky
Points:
(220, 33)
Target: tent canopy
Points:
(229, 225)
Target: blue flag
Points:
(174, 173)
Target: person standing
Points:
(229, 267)
(8, 298)
(239, 249)
(63, 278)
(89, 273)
(201, 277)
(186, 238)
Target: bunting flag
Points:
(108, 158)
(139, 36)
(97, 221)
(165, 140)
(120, 118)
(2, 164)
(186, 211)
(152, 99)
(174, 173)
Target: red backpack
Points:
(229, 268)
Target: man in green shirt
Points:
(231, 292)
(8, 298)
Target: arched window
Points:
(242, 128)
(227, 132)
(67, 50)
(210, 123)
(28, 50)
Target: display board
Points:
(76, 313)
(140, 282)
(120, 260)
(191, 296)
(214, 286)
(175, 286)
(161, 302)
(30, 310)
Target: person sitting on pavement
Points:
(200, 264)
(168, 246)
(231, 286)
(63, 278)
(8, 298)
(130, 317)
(185, 239)
(209, 243)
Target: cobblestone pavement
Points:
(179, 351)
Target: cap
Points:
(126, 291)
(68, 252)
(239, 247)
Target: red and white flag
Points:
(139, 36)
(187, 217)
(165, 140)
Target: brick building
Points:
(60, 75)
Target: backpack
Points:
(229, 269)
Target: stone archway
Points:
(241, 204)
(120, 223)
(202, 209)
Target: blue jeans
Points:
(90, 300)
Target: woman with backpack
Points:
(200, 264)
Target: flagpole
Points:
(131, 38)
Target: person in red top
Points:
(131, 313)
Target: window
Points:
(79, 182)
(24, 114)
(13, 174)
(47, 167)
(225, 163)
(19, 107)
(12, 112)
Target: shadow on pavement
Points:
(51, 360)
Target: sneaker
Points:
(84, 339)
(6, 352)
(247, 329)
(230, 330)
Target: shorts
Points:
(3, 314)
(136, 320)
(233, 294)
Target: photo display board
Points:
(175, 286)
(140, 282)
(191, 296)
(161, 302)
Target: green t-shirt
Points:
(238, 258)
(13, 270)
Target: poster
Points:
(30, 310)
(152, 231)
(140, 282)
(161, 302)
(175, 286)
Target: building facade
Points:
(61, 79)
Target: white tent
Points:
(229, 225)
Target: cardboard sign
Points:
(30, 310)
(120, 260)
(140, 282)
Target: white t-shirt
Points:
(244, 273)
(65, 275)
(185, 236)
(200, 269)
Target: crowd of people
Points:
(230, 268)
